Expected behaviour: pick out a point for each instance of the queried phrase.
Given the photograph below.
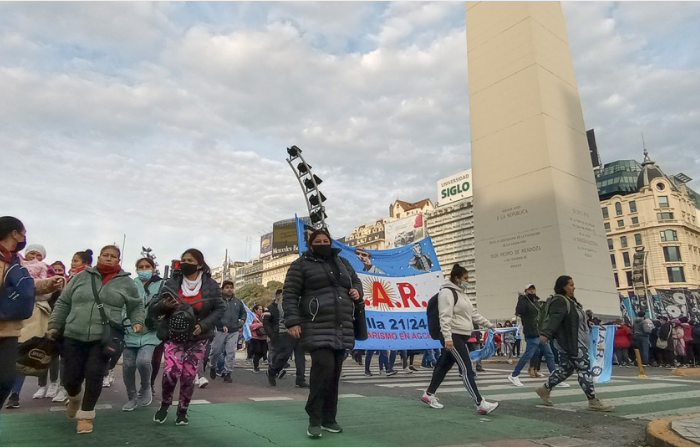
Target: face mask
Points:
(21, 245)
(464, 285)
(145, 275)
(532, 296)
(188, 268)
(323, 250)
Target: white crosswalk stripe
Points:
(637, 400)
(669, 413)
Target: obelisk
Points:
(536, 209)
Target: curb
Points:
(659, 433)
(685, 371)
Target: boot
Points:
(544, 394)
(596, 404)
(85, 419)
(73, 404)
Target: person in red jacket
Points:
(623, 335)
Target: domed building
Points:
(652, 225)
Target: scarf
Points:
(107, 272)
(190, 288)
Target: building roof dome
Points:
(650, 172)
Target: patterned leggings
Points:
(567, 364)
(181, 363)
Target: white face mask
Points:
(464, 285)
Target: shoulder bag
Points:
(112, 332)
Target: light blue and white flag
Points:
(489, 348)
(601, 352)
(250, 316)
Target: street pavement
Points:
(374, 411)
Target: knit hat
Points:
(36, 248)
(318, 232)
(675, 321)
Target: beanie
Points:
(36, 248)
(318, 232)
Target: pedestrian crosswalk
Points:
(633, 397)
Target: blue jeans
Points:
(533, 344)
(643, 345)
(137, 358)
(383, 360)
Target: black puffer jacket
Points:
(562, 325)
(210, 313)
(320, 302)
(528, 308)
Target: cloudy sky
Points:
(168, 122)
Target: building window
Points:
(617, 280)
(626, 259)
(663, 201)
(607, 226)
(605, 212)
(665, 215)
(621, 223)
(633, 207)
(629, 278)
(623, 241)
(612, 260)
(635, 220)
(637, 239)
(610, 244)
(675, 274)
(672, 253)
(669, 235)
(618, 208)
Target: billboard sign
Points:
(404, 231)
(455, 187)
(266, 245)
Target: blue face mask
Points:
(464, 285)
(145, 275)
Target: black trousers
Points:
(259, 351)
(285, 345)
(322, 405)
(156, 361)
(460, 355)
(8, 361)
(85, 362)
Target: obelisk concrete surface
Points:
(536, 209)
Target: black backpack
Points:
(434, 315)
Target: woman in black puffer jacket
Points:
(321, 292)
(183, 352)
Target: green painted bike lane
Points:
(367, 421)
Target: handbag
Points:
(112, 332)
(35, 355)
(663, 344)
(359, 321)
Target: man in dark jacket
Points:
(284, 346)
(271, 323)
(640, 336)
(226, 336)
(528, 309)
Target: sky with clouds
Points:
(168, 122)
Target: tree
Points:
(274, 285)
(252, 293)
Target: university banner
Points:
(397, 284)
(601, 352)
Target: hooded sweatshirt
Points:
(457, 318)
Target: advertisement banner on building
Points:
(266, 245)
(455, 187)
(404, 231)
(397, 284)
(284, 237)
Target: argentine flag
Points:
(250, 316)
(601, 352)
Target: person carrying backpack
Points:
(565, 321)
(457, 319)
(187, 322)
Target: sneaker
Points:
(130, 405)
(13, 401)
(282, 373)
(270, 379)
(392, 372)
(369, 374)
(256, 370)
(413, 369)
(515, 380)
(331, 427)
(227, 378)
(203, 382)
(51, 390)
(41, 393)
(564, 385)
(146, 398)
(407, 370)
(61, 395)
(480, 369)
(181, 420)
(486, 407)
(510, 361)
(315, 432)
(544, 394)
(249, 361)
(302, 385)
(596, 404)
(105, 381)
(431, 400)
(161, 415)
(212, 373)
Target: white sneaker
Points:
(563, 385)
(431, 400)
(105, 381)
(203, 382)
(515, 380)
(486, 407)
(510, 361)
(51, 390)
(41, 393)
(61, 396)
